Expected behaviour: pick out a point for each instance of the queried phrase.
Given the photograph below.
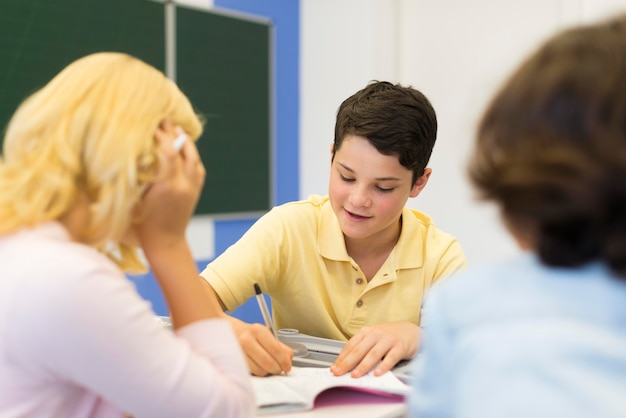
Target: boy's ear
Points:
(421, 182)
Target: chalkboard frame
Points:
(232, 88)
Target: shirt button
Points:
(359, 303)
(359, 281)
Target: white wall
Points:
(456, 52)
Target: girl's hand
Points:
(167, 205)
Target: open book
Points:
(299, 389)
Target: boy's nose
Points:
(360, 198)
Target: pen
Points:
(300, 350)
(180, 141)
(264, 311)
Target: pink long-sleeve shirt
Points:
(76, 340)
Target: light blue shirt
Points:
(518, 339)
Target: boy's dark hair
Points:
(396, 120)
(551, 148)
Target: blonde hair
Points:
(90, 129)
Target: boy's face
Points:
(368, 190)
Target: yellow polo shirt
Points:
(297, 254)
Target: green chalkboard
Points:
(222, 64)
(40, 37)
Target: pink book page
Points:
(343, 396)
(307, 388)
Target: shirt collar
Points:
(408, 252)
(330, 241)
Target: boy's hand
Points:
(378, 347)
(264, 353)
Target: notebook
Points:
(303, 385)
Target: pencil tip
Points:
(257, 289)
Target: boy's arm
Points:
(265, 355)
(380, 347)
(451, 260)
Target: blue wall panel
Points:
(285, 17)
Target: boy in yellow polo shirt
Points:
(353, 265)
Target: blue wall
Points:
(284, 15)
